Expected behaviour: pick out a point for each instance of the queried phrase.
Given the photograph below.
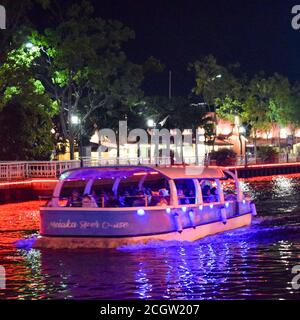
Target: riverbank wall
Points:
(265, 170)
(35, 189)
(26, 190)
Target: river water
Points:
(250, 263)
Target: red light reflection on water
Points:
(16, 220)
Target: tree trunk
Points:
(72, 148)
(118, 148)
(196, 150)
(255, 147)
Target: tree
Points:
(220, 89)
(25, 112)
(260, 103)
(181, 113)
(177, 113)
(82, 67)
(214, 81)
(26, 134)
(17, 13)
(269, 102)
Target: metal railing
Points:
(282, 158)
(10, 171)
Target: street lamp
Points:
(76, 121)
(151, 123)
(218, 76)
(29, 45)
(242, 130)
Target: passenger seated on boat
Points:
(182, 199)
(230, 196)
(122, 198)
(112, 202)
(162, 198)
(190, 194)
(139, 200)
(88, 202)
(75, 200)
(213, 195)
(128, 199)
(206, 194)
(97, 198)
(154, 200)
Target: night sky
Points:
(256, 33)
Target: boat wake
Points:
(263, 230)
(26, 244)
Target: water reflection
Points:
(253, 262)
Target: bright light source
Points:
(53, 131)
(184, 209)
(283, 133)
(219, 76)
(151, 123)
(168, 210)
(141, 212)
(75, 119)
(29, 45)
(242, 130)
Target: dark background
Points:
(256, 33)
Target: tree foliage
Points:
(25, 132)
(81, 66)
(259, 102)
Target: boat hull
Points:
(128, 228)
(190, 235)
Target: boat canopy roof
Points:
(176, 172)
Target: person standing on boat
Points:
(75, 200)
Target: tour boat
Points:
(138, 204)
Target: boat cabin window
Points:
(158, 191)
(138, 190)
(229, 189)
(185, 191)
(72, 190)
(209, 191)
(103, 193)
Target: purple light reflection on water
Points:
(253, 262)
